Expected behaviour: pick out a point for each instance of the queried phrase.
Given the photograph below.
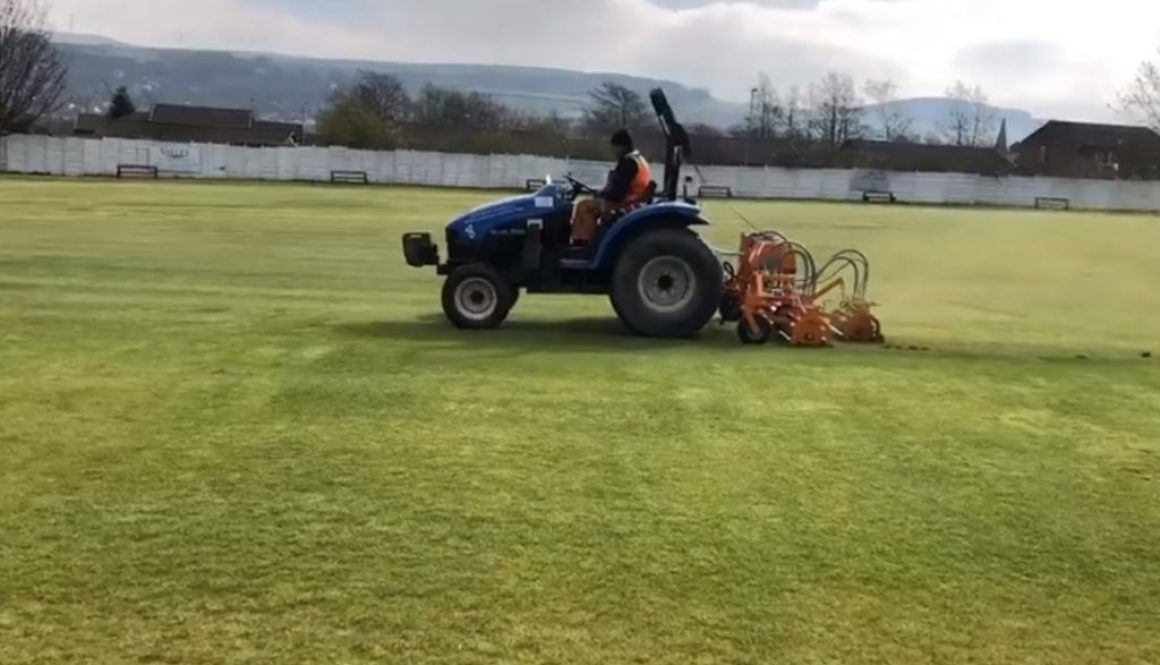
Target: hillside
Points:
(287, 87)
(295, 88)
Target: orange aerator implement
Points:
(776, 292)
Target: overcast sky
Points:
(1057, 58)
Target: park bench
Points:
(715, 192)
(1052, 203)
(873, 196)
(350, 177)
(138, 170)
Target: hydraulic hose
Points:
(857, 262)
(809, 269)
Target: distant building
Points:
(1085, 150)
(192, 124)
(1001, 143)
(919, 157)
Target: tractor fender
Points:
(649, 218)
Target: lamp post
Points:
(749, 123)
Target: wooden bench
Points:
(350, 177)
(873, 196)
(1052, 203)
(715, 192)
(138, 169)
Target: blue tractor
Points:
(662, 279)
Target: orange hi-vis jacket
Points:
(629, 182)
(639, 187)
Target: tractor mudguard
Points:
(665, 215)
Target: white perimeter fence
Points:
(100, 157)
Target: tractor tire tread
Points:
(708, 287)
(506, 294)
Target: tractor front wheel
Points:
(667, 283)
(477, 297)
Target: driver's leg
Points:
(584, 220)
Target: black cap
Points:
(622, 139)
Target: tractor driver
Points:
(628, 185)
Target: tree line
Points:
(836, 109)
(377, 112)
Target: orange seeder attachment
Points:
(855, 323)
(775, 294)
(853, 317)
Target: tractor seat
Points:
(616, 215)
(609, 220)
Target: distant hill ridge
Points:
(295, 88)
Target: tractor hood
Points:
(480, 221)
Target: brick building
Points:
(192, 124)
(1085, 150)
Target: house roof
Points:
(261, 132)
(893, 156)
(1089, 135)
(275, 129)
(89, 123)
(139, 126)
(201, 116)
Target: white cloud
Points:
(1083, 53)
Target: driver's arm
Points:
(621, 180)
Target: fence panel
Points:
(76, 156)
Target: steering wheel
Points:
(579, 187)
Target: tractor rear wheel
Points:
(477, 297)
(667, 283)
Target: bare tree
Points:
(470, 110)
(382, 94)
(552, 124)
(368, 114)
(970, 121)
(613, 107)
(836, 110)
(1142, 99)
(795, 121)
(32, 74)
(765, 112)
(892, 123)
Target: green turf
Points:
(234, 429)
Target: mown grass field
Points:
(235, 429)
